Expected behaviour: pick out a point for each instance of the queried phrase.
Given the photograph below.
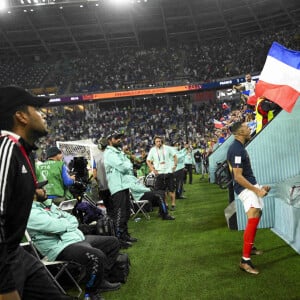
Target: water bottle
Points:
(137, 219)
(87, 297)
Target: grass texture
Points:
(196, 256)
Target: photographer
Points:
(55, 171)
(136, 162)
(143, 170)
(100, 176)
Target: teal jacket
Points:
(116, 166)
(189, 158)
(52, 230)
(180, 158)
(137, 189)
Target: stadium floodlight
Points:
(119, 2)
(32, 3)
(3, 5)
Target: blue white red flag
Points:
(280, 78)
(218, 124)
(247, 93)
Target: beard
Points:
(247, 138)
(117, 144)
(37, 134)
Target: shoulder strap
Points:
(24, 153)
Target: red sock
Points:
(249, 236)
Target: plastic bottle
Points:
(137, 219)
(87, 297)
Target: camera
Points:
(78, 166)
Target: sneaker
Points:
(173, 207)
(107, 286)
(131, 239)
(128, 238)
(247, 266)
(255, 251)
(168, 217)
(124, 244)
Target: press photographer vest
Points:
(52, 171)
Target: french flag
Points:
(280, 78)
(218, 124)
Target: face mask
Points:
(48, 202)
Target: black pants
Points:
(105, 195)
(165, 182)
(97, 253)
(157, 198)
(32, 279)
(179, 178)
(121, 212)
(189, 169)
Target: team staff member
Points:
(22, 124)
(117, 165)
(248, 191)
(56, 235)
(140, 192)
(162, 161)
(189, 161)
(179, 171)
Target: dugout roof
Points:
(51, 29)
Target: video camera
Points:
(78, 167)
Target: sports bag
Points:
(105, 226)
(223, 176)
(120, 270)
(150, 180)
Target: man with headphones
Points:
(162, 161)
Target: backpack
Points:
(120, 270)
(105, 226)
(223, 175)
(87, 212)
(150, 180)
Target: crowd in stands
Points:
(174, 118)
(140, 122)
(140, 68)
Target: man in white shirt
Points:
(248, 86)
(162, 161)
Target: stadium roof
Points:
(29, 27)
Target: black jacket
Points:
(16, 195)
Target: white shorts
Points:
(250, 199)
